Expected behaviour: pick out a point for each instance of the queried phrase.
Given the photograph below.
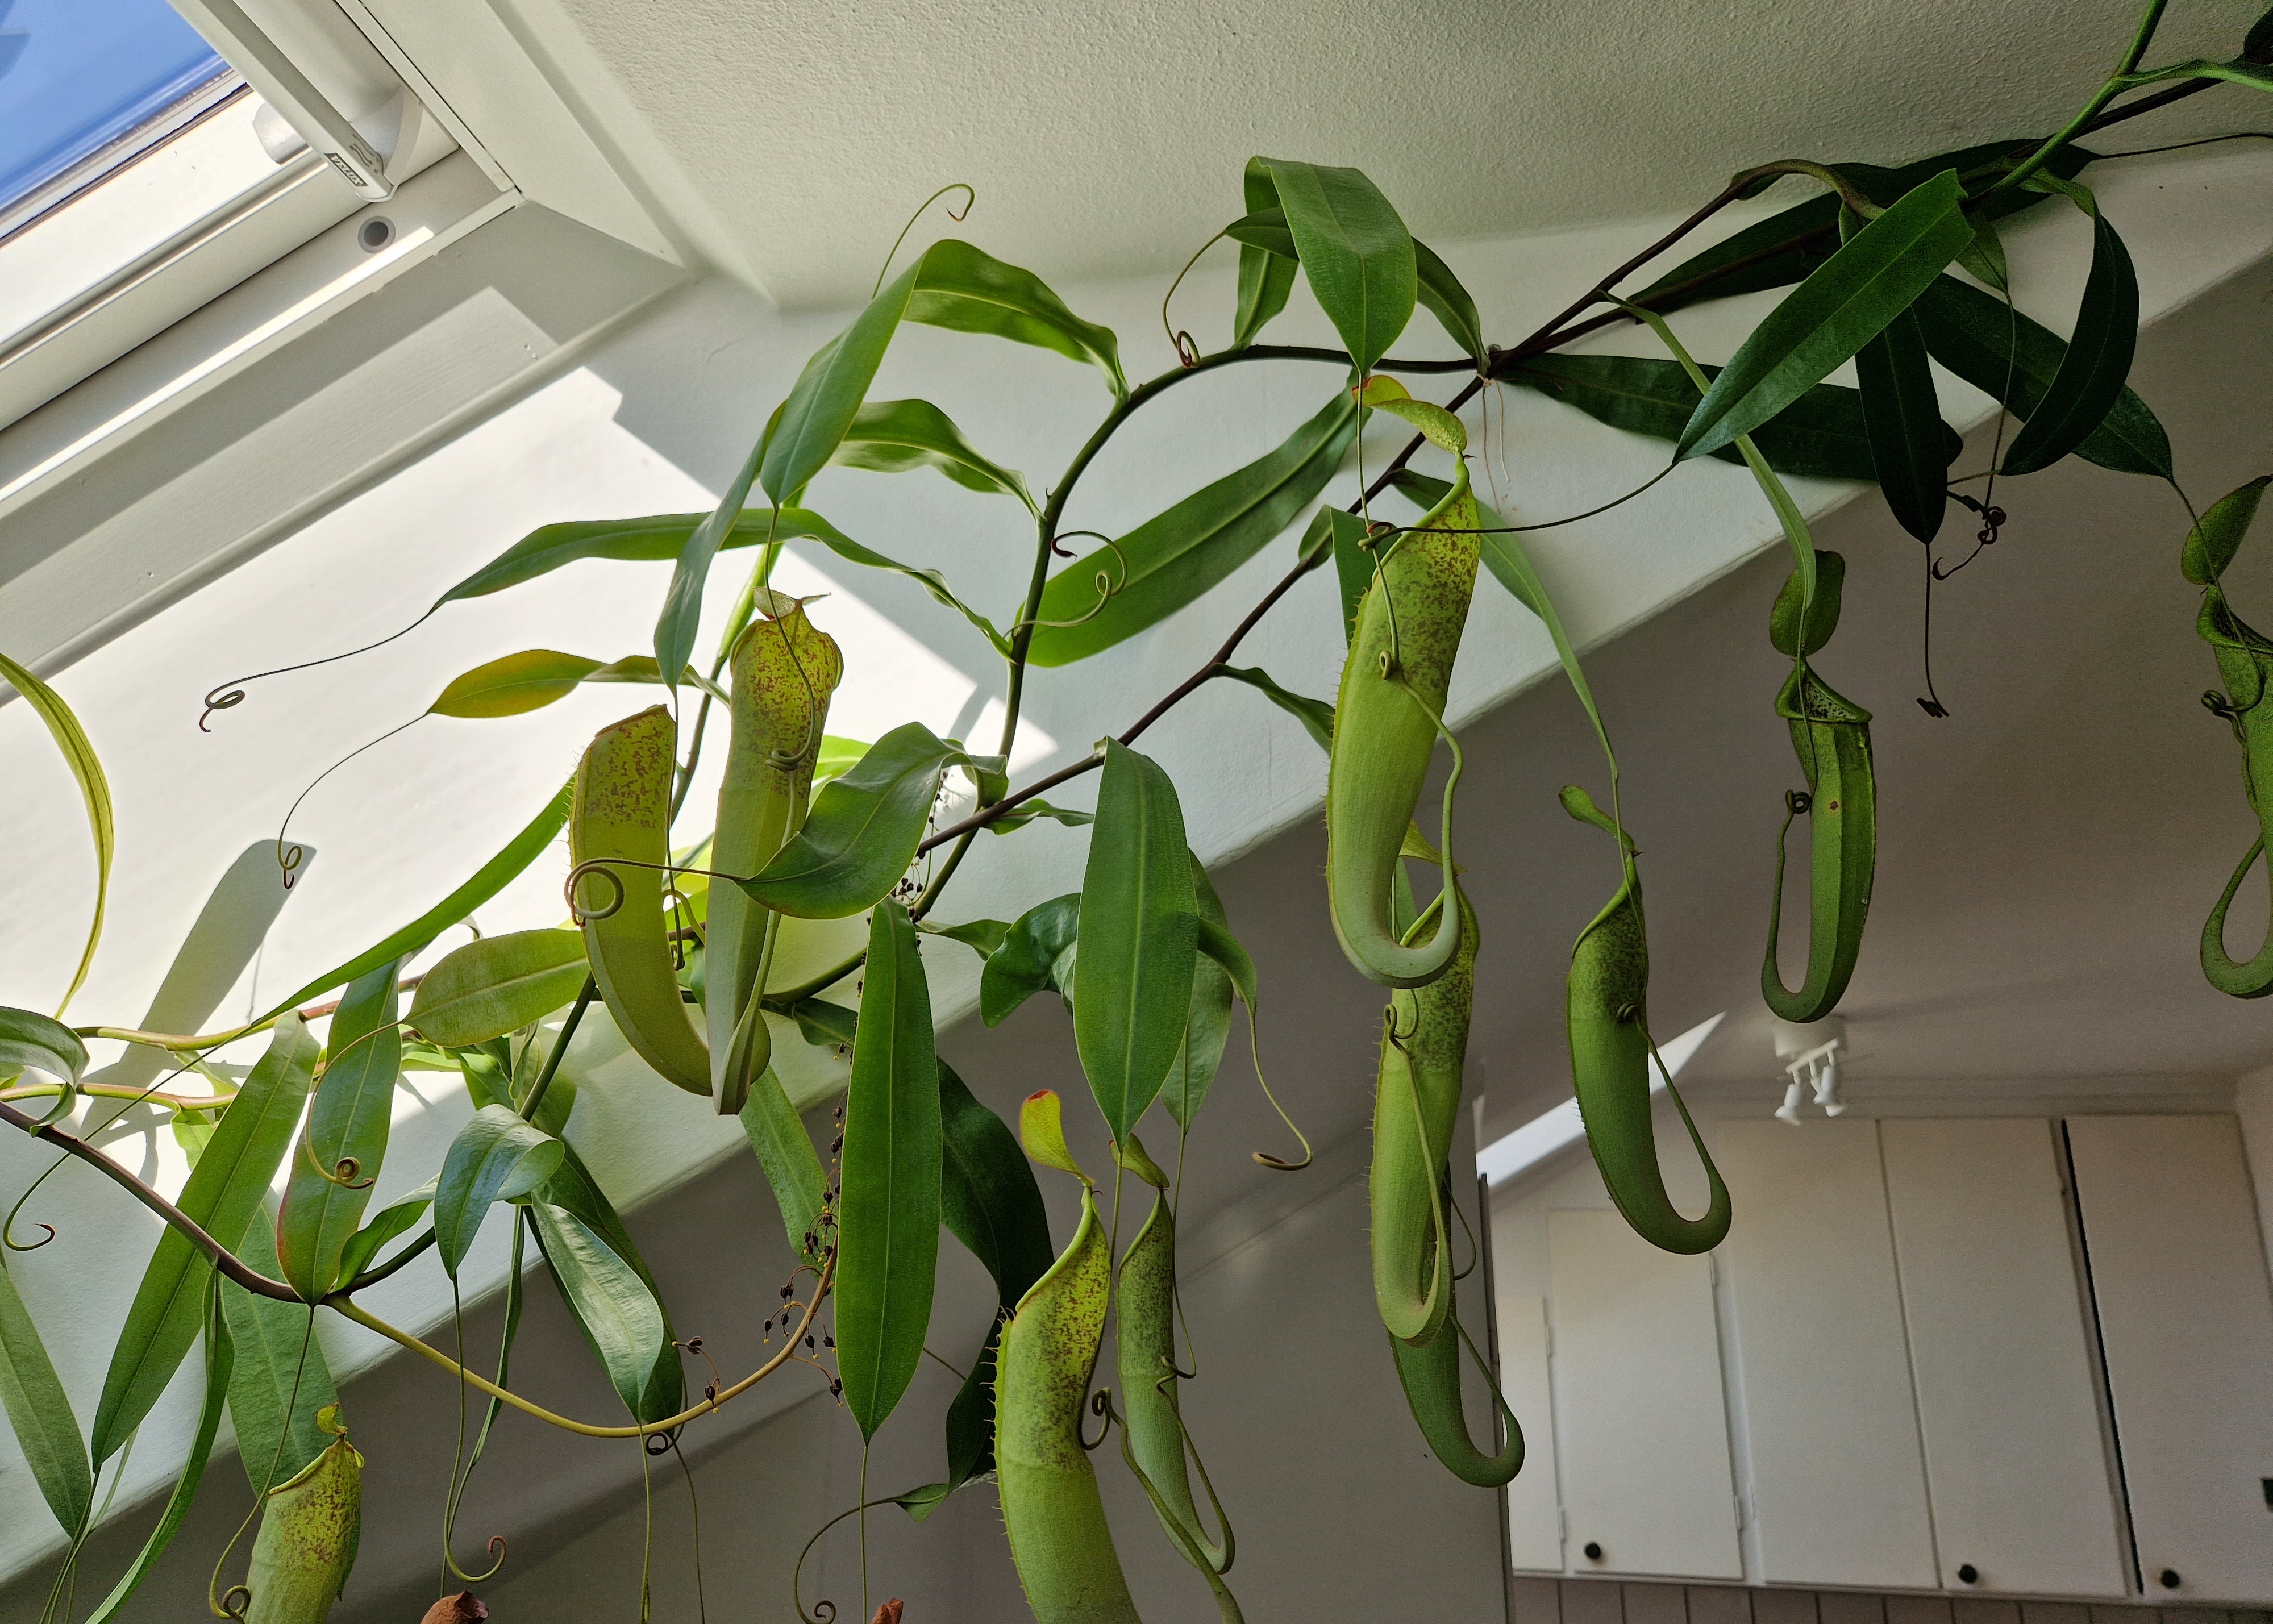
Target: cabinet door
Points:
(1637, 1405)
(2178, 1272)
(1534, 1533)
(2008, 1401)
(1838, 1486)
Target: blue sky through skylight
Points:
(76, 75)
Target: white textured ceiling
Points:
(1108, 139)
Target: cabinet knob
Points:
(1968, 1574)
(2168, 1578)
(1594, 1551)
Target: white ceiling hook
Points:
(1810, 1054)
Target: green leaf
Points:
(1442, 296)
(1036, 955)
(390, 1221)
(786, 1157)
(1354, 250)
(676, 627)
(612, 1305)
(981, 936)
(1822, 434)
(496, 1157)
(1343, 535)
(2241, 70)
(95, 790)
(1873, 277)
(967, 290)
(1822, 608)
(797, 524)
(889, 1210)
(492, 878)
(1025, 812)
(527, 681)
(222, 1194)
(219, 1363)
(1138, 928)
(988, 1198)
(1437, 426)
(1910, 446)
(1266, 272)
(30, 1041)
(2013, 359)
(1171, 559)
(2257, 44)
(1207, 1022)
(2092, 372)
(270, 1381)
(1315, 715)
(864, 829)
(837, 758)
(498, 984)
(575, 1190)
(346, 1140)
(894, 436)
(2211, 545)
(825, 1025)
(650, 540)
(41, 1412)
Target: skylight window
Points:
(88, 86)
(1550, 1131)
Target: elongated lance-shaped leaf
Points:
(610, 1303)
(790, 1164)
(1266, 274)
(888, 1244)
(1036, 955)
(1263, 233)
(1139, 932)
(340, 1154)
(1315, 715)
(1442, 295)
(676, 628)
(988, 1198)
(966, 289)
(219, 1361)
(40, 1414)
(864, 828)
(498, 984)
(95, 790)
(1872, 278)
(1910, 444)
(278, 1379)
(1825, 434)
(1207, 1021)
(514, 684)
(2240, 71)
(223, 1196)
(1174, 558)
(894, 436)
(1355, 253)
(2098, 362)
(2211, 545)
(393, 1220)
(496, 1157)
(492, 878)
(2013, 359)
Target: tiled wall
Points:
(1604, 1601)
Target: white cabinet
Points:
(2177, 1273)
(1640, 1417)
(2008, 1403)
(1837, 1485)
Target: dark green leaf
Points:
(1822, 434)
(2211, 545)
(498, 984)
(1442, 296)
(2241, 70)
(894, 436)
(1033, 957)
(41, 1412)
(492, 878)
(345, 1139)
(1355, 253)
(496, 1157)
(1353, 561)
(681, 617)
(223, 1196)
(792, 1166)
(2257, 44)
(1207, 1022)
(888, 1212)
(864, 828)
(981, 936)
(1174, 558)
(2098, 359)
(828, 394)
(1315, 715)
(988, 1198)
(219, 1362)
(823, 1024)
(2013, 359)
(612, 1305)
(1266, 271)
(395, 1218)
(1910, 446)
(967, 290)
(1822, 609)
(573, 1189)
(1138, 929)
(271, 1382)
(1841, 305)
(1025, 812)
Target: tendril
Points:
(289, 857)
(1106, 591)
(1188, 353)
(970, 201)
(1101, 1403)
(230, 694)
